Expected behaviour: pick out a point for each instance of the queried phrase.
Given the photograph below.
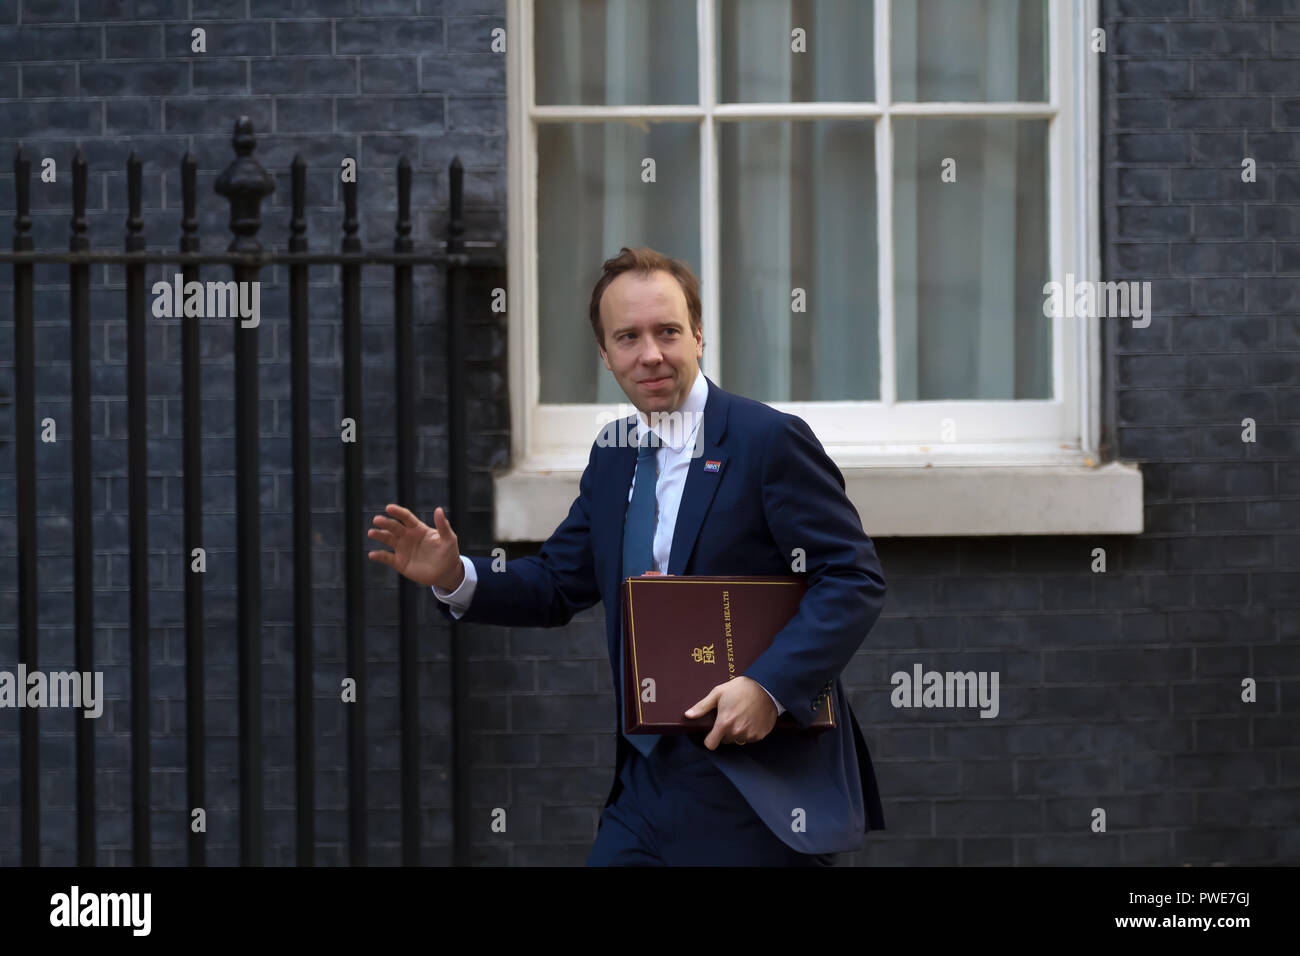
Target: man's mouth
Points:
(655, 382)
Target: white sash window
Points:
(873, 195)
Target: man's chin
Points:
(661, 405)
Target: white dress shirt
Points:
(676, 444)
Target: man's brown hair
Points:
(645, 261)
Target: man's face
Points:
(649, 345)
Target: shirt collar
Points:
(677, 430)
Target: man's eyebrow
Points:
(666, 323)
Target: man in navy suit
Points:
(728, 486)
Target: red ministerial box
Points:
(684, 635)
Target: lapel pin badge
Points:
(712, 465)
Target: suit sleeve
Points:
(806, 508)
(546, 589)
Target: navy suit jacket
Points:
(775, 491)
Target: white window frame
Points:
(1040, 447)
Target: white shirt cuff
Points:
(459, 600)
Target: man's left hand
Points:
(746, 713)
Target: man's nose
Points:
(651, 353)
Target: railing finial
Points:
(245, 183)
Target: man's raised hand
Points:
(428, 556)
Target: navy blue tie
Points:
(638, 553)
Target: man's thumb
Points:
(705, 705)
(440, 521)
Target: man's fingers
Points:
(383, 537)
(388, 524)
(724, 732)
(402, 515)
(702, 707)
(383, 557)
(714, 738)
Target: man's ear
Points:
(604, 358)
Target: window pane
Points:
(797, 247)
(968, 50)
(970, 259)
(615, 52)
(591, 200)
(757, 62)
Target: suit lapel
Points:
(607, 523)
(612, 508)
(702, 479)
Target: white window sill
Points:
(895, 500)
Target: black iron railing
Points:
(244, 184)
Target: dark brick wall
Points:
(1191, 89)
(329, 79)
(1118, 690)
